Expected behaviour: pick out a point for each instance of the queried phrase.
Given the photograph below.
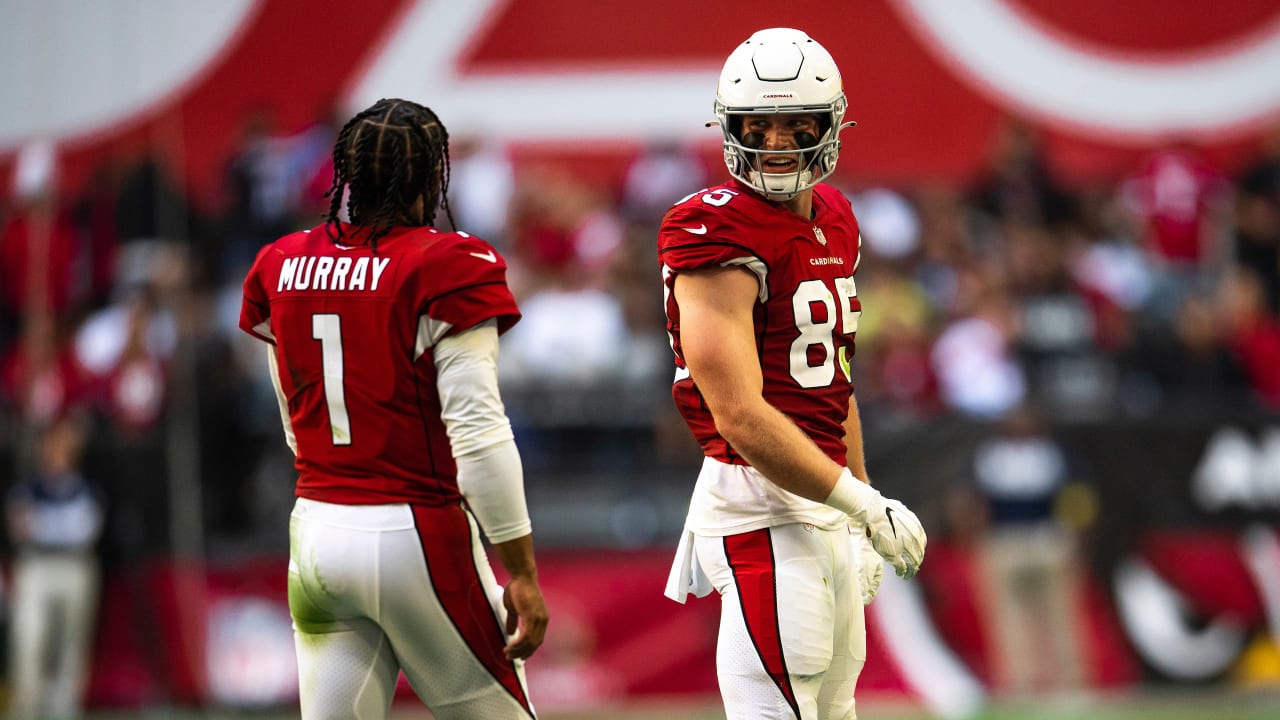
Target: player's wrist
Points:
(852, 496)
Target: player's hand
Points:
(526, 617)
(870, 565)
(895, 532)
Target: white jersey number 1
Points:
(327, 328)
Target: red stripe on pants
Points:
(750, 555)
(446, 544)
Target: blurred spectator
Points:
(1252, 332)
(482, 181)
(1057, 339)
(895, 333)
(1029, 561)
(242, 446)
(265, 180)
(974, 361)
(1185, 365)
(662, 172)
(1017, 184)
(150, 206)
(648, 350)
(40, 378)
(896, 327)
(312, 160)
(125, 347)
(565, 233)
(44, 266)
(126, 351)
(566, 335)
(889, 224)
(596, 239)
(1177, 200)
(1257, 216)
(580, 285)
(1108, 268)
(946, 246)
(54, 518)
(96, 214)
(1114, 278)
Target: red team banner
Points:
(929, 83)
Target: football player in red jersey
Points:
(761, 310)
(383, 341)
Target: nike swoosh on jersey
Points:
(486, 256)
(700, 230)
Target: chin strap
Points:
(780, 187)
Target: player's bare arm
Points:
(526, 611)
(718, 340)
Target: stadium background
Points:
(1021, 252)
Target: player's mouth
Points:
(780, 164)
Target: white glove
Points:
(897, 535)
(870, 565)
(895, 531)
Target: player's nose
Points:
(778, 139)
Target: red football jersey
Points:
(1174, 191)
(353, 332)
(806, 314)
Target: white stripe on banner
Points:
(923, 659)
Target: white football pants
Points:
(793, 638)
(377, 589)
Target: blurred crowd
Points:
(131, 404)
(1155, 293)
(1151, 294)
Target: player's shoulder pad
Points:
(269, 255)
(709, 228)
(840, 206)
(716, 215)
(460, 258)
(294, 242)
(832, 196)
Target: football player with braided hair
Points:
(382, 342)
(762, 309)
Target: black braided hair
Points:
(389, 157)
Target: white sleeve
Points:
(490, 474)
(281, 400)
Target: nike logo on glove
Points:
(487, 256)
(700, 230)
(888, 513)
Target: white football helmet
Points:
(784, 71)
